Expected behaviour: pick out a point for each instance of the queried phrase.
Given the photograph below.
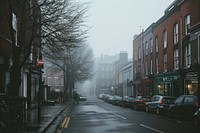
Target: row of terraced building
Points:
(166, 56)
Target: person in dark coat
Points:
(76, 97)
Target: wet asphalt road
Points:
(97, 116)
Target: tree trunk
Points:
(15, 79)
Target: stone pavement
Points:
(49, 115)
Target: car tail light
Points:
(197, 103)
(161, 101)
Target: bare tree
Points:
(47, 25)
(62, 26)
(77, 64)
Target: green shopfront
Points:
(167, 85)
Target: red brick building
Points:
(175, 55)
(172, 48)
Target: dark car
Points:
(82, 98)
(140, 103)
(159, 104)
(111, 99)
(184, 106)
(127, 101)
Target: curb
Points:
(44, 128)
(61, 121)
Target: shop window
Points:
(192, 88)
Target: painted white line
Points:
(158, 131)
(119, 116)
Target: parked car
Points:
(197, 117)
(117, 100)
(159, 104)
(105, 97)
(111, 99)
(140, 103)
(82, 98)
(127, 101)
(184, 106)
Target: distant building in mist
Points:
(104, 73)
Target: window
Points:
(56, 81)
(14, 25)
(146, 67)
(156, 41)
(151, 61)
(139, 52)
(135, 69)
(176, 59)
(62, 82)
(179, 100)
(175, 33)
(49, 81)
(165, 39)
(151, 45)
(187, 24)
(165, 62)
(135, 55)
(188, 55)
(146, 45)
(156, 64)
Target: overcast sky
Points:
(115, 22)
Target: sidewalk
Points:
(48, 116)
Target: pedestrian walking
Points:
(76, 97)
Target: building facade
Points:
(104, 73)
(172, 45)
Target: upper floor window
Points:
(135, 55)
(146, 45)
(165, 62)
(49, 81)
(151, 62)
(62, 82)
(187, 24)
(156, 41)
(176, 59)
(188, 55)
(176, 33)
(139, 53)
(165, 39)
(146, 67)
(151, 45)
(156, 64)
(56, 81)
(15, 28)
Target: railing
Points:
(12, 114)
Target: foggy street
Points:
(97, 116)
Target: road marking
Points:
(158, 131)
(67, 123)
(119, 116)
(64, 124)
